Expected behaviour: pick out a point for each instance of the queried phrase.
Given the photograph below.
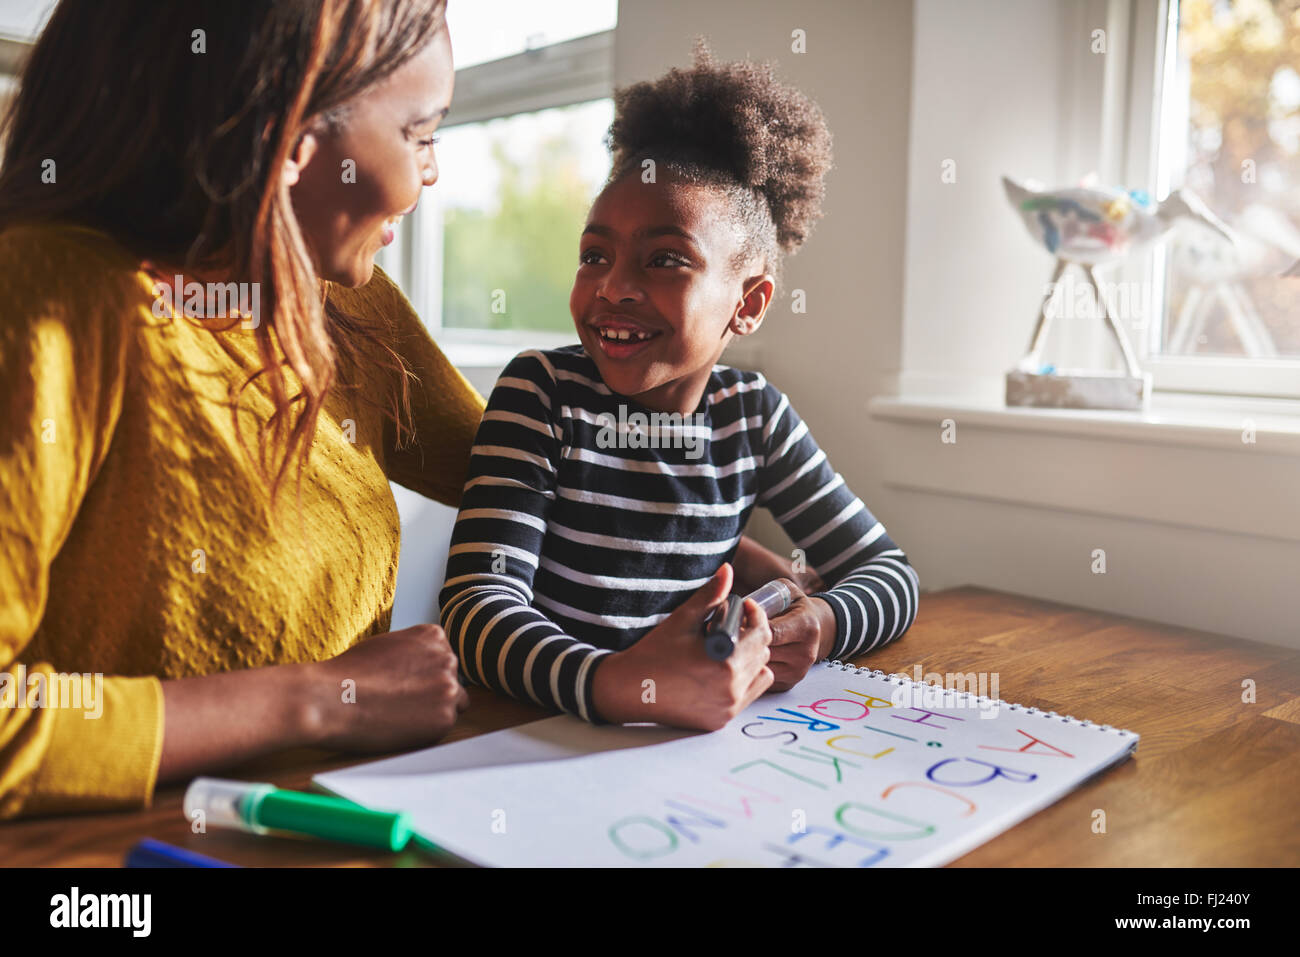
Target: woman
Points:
(188, 495)
(197, 505)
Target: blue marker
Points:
(151, 853)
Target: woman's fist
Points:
(391, 692)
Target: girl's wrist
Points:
(609, 690)
(827, 628)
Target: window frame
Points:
(1151, 59)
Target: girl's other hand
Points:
(802, 635)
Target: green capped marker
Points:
(262, 808)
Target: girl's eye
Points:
(430, 141)
(590, 257)
(668, 259)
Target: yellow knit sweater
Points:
(134, 539)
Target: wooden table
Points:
(1214, 782)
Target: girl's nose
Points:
(619, 286)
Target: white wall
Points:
(990, 88)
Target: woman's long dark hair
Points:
(177, 154)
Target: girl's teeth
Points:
(623, 335)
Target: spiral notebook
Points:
(850, 768)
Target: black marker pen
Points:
(722, 628)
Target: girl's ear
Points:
(753, 306)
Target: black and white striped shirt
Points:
(586, 520)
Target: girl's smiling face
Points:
(658, 295)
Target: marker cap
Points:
(222, 803)
(773, 598)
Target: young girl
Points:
(610, 482)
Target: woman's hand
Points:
(802, 635)
(390, 692)
(756, 566)
(667, 678)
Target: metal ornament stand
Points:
(1029, 385)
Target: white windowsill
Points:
(1173, 418)
(471, 349)
(1182, 463)
(479, 355)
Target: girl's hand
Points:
(802, 635)
(667, 678)
(809, 581)
(756, 566)
(391, 692)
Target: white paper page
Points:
(846, 769)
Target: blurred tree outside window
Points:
(514, 194)
(1235, 142)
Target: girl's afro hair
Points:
(737, 122)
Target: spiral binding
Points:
(900, 680)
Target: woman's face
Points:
(350, 185)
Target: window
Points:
(516, 193)
(486, 30)
(488, 257)
(1225, 81)
(12, 54)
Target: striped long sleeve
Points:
(502, 641)
(588, 518)
(876, 589)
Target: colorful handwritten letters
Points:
(849, 748)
